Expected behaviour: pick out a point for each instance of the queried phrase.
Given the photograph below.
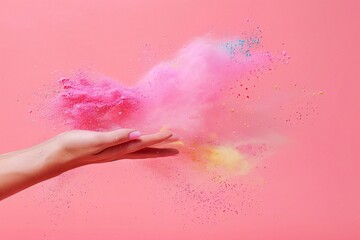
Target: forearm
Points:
(22, 169)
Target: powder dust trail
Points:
(212, 96)
(191, 95)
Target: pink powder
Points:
(192, 95)
(95, 105)
(176, 94)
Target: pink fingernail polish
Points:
(134, 135)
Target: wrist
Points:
(22, 169)
(41, 162)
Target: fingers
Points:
(152, 139)
(118, 151)
(108, 139)
(151, 153)
(172, 141)
(169, 140)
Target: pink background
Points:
(311, 189)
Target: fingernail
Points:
(134, 135)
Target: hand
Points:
(22, 169)
(82, 147)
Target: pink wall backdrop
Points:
(310, 186)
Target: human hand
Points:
(81, 147)
(24, 168)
